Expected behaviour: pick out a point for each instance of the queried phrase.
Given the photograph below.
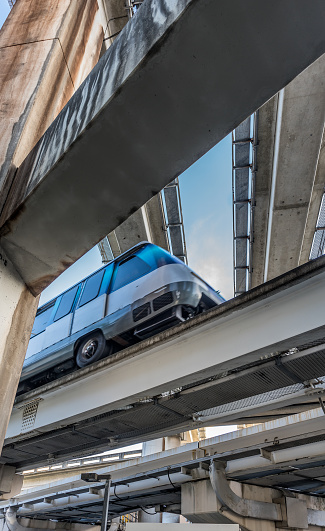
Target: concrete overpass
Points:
(274, 465)
(159, 221)
(199, 372)
(283, 213)
(75, 146)
(62, 198)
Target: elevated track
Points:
(271, 338)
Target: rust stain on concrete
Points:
(46, 49)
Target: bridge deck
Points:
(162, 385)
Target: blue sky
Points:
(206, 195)
(4, 10)
(206, 192)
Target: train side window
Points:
(129, 270)
(41, 320)
(66, 303)
(92, 287)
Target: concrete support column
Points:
(153, 447)
(173, 441)
(17, 312)
(159, 445)
(149, 516)
(47, 48)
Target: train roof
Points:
(49, 303)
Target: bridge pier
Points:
(201, 505)
(17, 311)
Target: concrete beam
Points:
(139, 92)
(290, 174)
(285, 313)
(266, 124)
(302, 124)
(10, 482)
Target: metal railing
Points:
(244, 145)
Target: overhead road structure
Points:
(280, 464)
(83, 177)
(151, 222)
(168, 383)
(288, 202)
(160, 220)
(170, 125)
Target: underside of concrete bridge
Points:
(282, 211)
(170, 126)
(267, 477)
(78, 163)
(253, 356)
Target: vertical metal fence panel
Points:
(318, 245)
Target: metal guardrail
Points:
(244, 143)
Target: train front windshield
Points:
(140, 263)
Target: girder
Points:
(161, 385)
(170, 83)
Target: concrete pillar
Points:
(170, 518)
(152, 447)
(173, 441)
(149, 516)
(47, 48)
(159, 445)
(17, 312)
(117, 16)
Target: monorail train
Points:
(140, 293)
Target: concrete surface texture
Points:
(200, 504)
(290, 174)
(284, 318)
(46, 51)
(170, 125)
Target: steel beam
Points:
(163, 94)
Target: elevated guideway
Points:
(282, 211)
(271, 338)
(167, 84)
(274, 462)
